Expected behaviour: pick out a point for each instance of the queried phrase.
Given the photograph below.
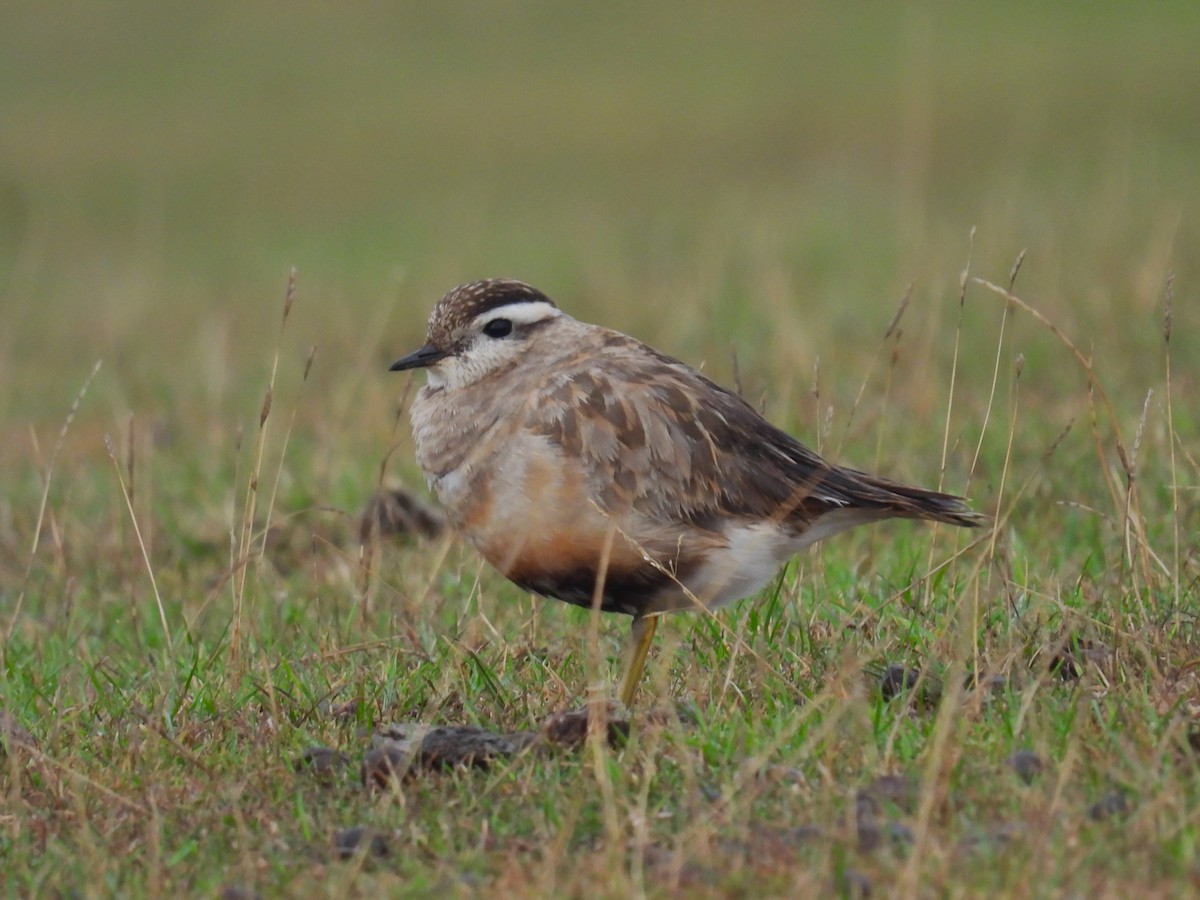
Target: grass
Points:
(827, 207)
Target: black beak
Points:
(419, 359)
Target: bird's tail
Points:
(904, 501)
(918, 503)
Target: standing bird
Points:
(587, 466)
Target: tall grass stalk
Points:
(244, 548)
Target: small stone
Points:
(469, 747)
(999, 685)
(382, 767)
(898, 680)
(899, 835)
(570, 729)
(867, 829)
(1027, 764)
(238, 892)
(1112, 804)
(688, 713)
(900, 790)
(344, 712)
(403, 748)
(1193, 738)
(359, 839)
(1073, 656)
(323, 763)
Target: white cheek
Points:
(434, 377)
(472, 366)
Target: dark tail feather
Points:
(904, 501)
(937, 507)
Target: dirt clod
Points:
(402, 749)
(897, 680)
(570, 729)
(902, 791)
(1072, 657)
(1115, 804)
(384, 766)
(348, 842)
(1027, 764)
(1193, 738)
(323, 763)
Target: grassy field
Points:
(185, 603)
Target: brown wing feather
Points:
(666, 442)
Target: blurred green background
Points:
(768, 176)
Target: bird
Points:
(587, 466)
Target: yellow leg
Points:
(639, 647)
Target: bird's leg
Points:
(639, 647)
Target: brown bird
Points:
(587, 466)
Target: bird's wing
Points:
(662, 440)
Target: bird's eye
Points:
(498, 328)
